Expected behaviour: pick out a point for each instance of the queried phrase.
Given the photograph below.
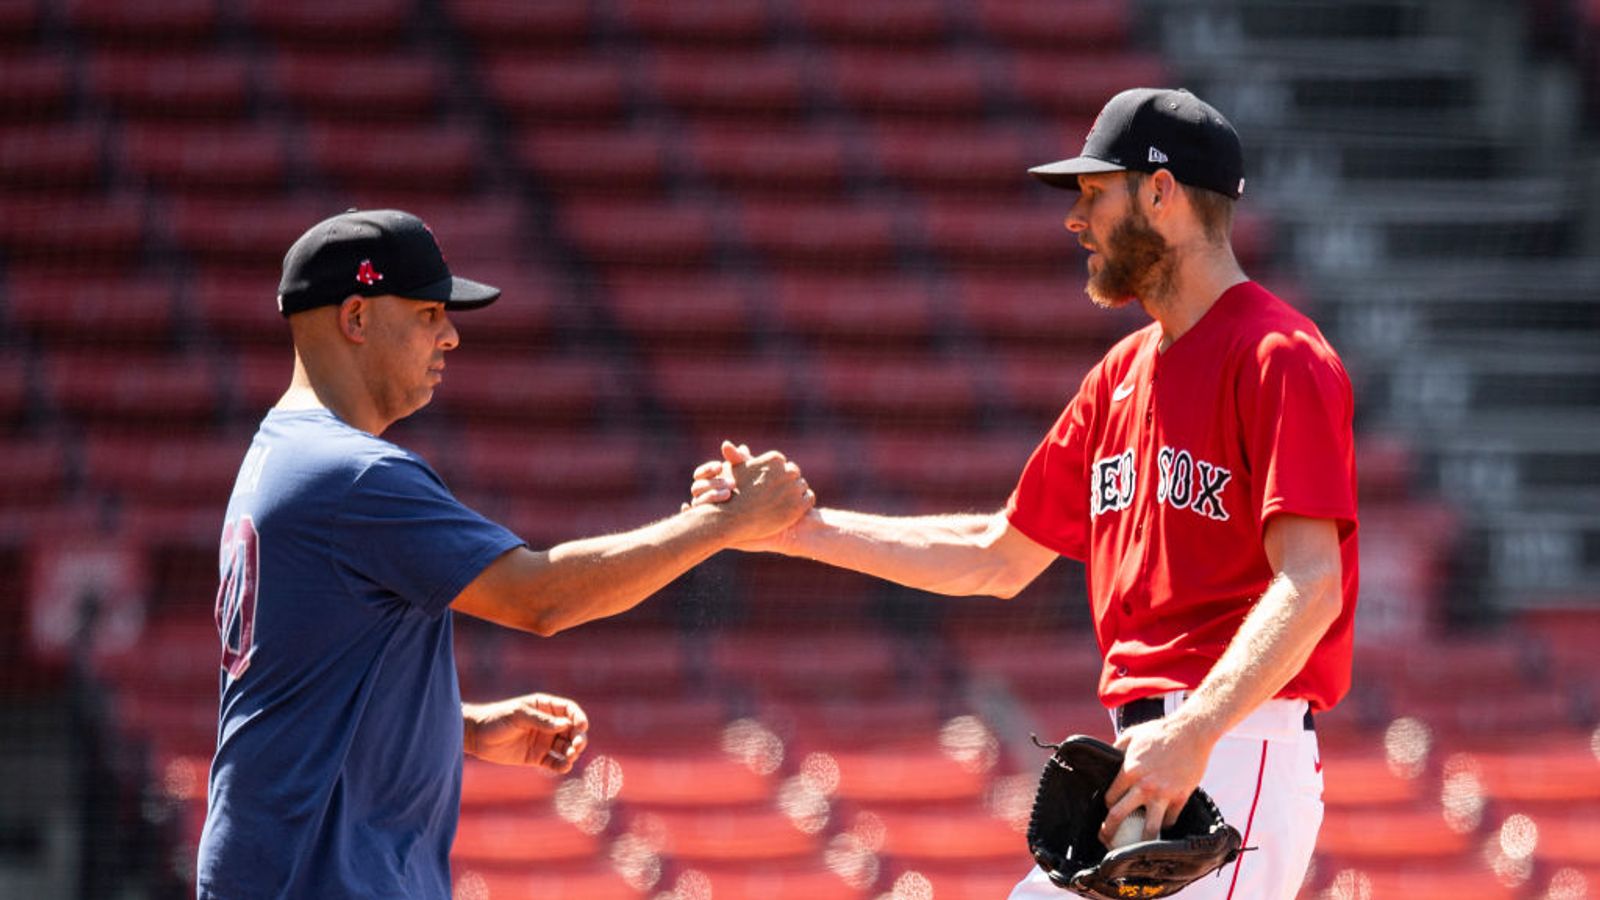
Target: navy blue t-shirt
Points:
(338, 763)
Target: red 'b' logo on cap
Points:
(366, 274)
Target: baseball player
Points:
(341, 728)
(1204, 473)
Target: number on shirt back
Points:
(236, 597)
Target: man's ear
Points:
(354, 314)
(1162, 190)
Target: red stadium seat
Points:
(1038, 385)
(640, 234)
(836, 310)
(518, 26)
(335, 85)
(179, 21)
(561, 392)
(749, 85)
(919, 85)
(518, 838)
(51, 157)
(35, 86)
(34, 470)
(902, 22)
(898, 391)
(833, 236)
(175, 470)
(799, 160)
(84, 233)
(656, 725)
(1421, 880)
(592, 661)
(364, 23)
(486, 785)
(552, 466)
(955, 159)
(695, 778)
(1072, 85)
(908, 775)
(1093, 25)
(540, 90)
(1569, 834)
(720, 22)
(133, 390)
(1048, 310)
(718, 835)
(780, 592)
(608, 161)
(1560, 768)
(801, 879)
(69, 308)
(968, 471)
(700, 311)
(18, 22)
(948, 833)
(1368, 780)
(224, 160)
(1033, 663)
(482, 235)
(185, 724)
(994, 235)
(239, 305)
(819, 664)
(972, 880)
(247, 235)
(589, 879)
(145, 85)
(1413, 833)
(726, 395)
(441, 158)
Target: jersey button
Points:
(1122, 671)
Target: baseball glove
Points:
(1064, 831)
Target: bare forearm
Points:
(1272, 646)
(944, 554)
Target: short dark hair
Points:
(1214, 210)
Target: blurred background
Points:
(800, 224)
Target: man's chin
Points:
(1106, 300)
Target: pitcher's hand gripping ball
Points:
(1064, 831)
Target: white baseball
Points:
(1130, 831)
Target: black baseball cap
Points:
(371, 253)
(1145, 129)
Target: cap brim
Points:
(456, 293)
(1064, 173)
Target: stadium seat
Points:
(1568, 834)
(1367, 780)
(542, 90)
(589, 879)
(947, 833)
(832, 236)
(1048, 310)
(988, 235)
(623, 234)
(562, 393)
(1421, 880)
(955, 158)
(1560, 767)
(745, 160)
(178, 724)
(248, 235)
(34, 471)
(486, 785)
(132, 21)
(903, 22)
(961, 471)
(86, 233)
(1092, 25)
(748, 85)
(417, 156)
(524, 838)
(518, 26)
(691, 835)
(973, 880)
(67, 308)
(898, 391)
(592, 661)
(224, 160)
(370, 23)
(884, 725)
(917, 85)
(1413, 833)
(189, 469)
(556, 465)
(135, 390)
(38, 156)
(693, 778)
(694, 312)
(1037, 385)
(821, 663)
(1033, 664)
(394, 86)
(238, 306)
(35, 85)
(835, 310)
(779, 592)
(911, 775)
(1074, 87)
(141, 84)
(18, 22)
(713, 22)
(605, 161)
(801, 879)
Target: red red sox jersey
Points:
(1163, 471)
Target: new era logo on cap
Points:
(1156, 156)
(389, 251)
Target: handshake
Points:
(764, 498)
